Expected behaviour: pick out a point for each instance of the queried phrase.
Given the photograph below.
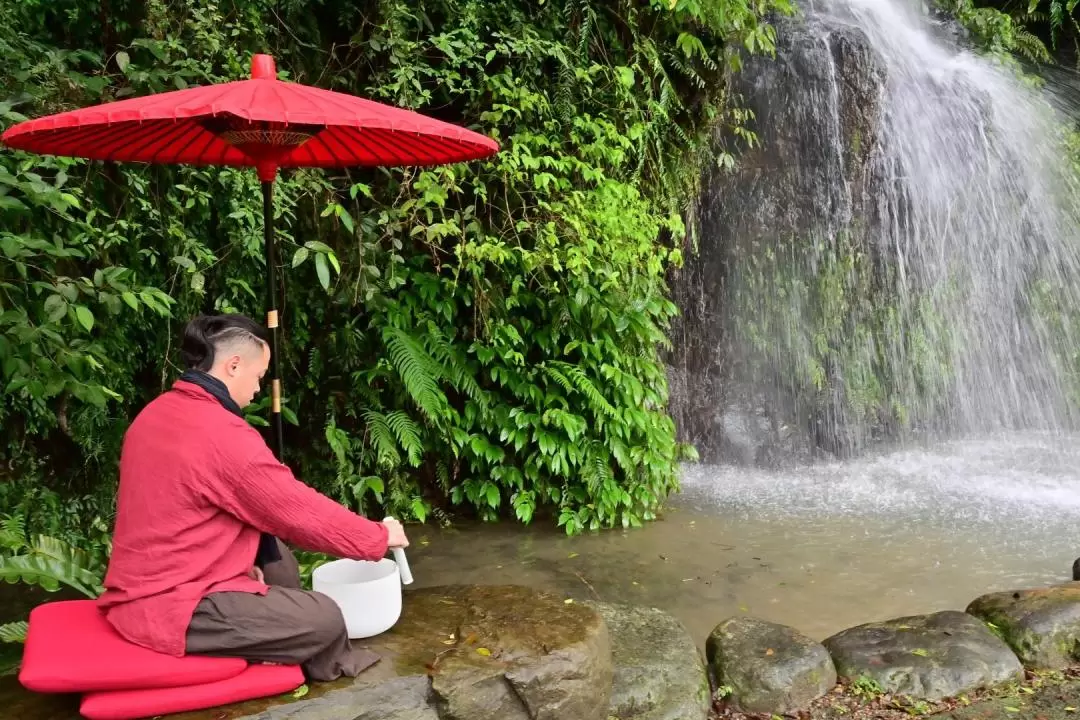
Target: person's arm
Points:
(266, 495)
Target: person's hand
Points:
(256, 574)
(396, 538)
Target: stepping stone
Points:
(659, 672)
(1041, 625)
(769, 668)
(927, 657)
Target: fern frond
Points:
(14, 632)
(454, 368)
(417, 370)
(597, 402)
(382, 438)
(13, 532)
(559, 378)
(408, 435)
(442, 472)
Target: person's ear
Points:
(232, 365)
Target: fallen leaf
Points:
(568, 601)
(300, 691)
(1012, 709)
(920, 652)
(1070, 709)
(770, 651)
(483, 651)
(572, 555)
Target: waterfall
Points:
(898, 258)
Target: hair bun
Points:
(195, 349)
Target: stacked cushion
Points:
(71, 648)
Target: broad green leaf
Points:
(55, 307)
(85, 317)
(323, 271)
(300, 256)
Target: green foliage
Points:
(45, 562)
(1001, 32)
(483, 335)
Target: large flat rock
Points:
(457, 653)
(659, 673)
(769, 668)
(928, 657)
(1041, 625)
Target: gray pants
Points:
(287, 626)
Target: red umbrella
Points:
(262, 123)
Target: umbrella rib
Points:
(422, 142)
(152, 135)
(410, 142)
(315, 160)
(179, 146)
(110, 146)
(78, 134)
(209, 138)
(359, 137)
(330, 141)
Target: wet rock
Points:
(770, 668)
(659, 673)
(1041, 625)
(457, 652)
(554, 658)
(927, 657)
(404, 698)
(1076, 569)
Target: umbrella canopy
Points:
(263, 123)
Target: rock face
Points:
(457, 653)
(770, 668)
(659, 673)
(818, 114)
(928, 657)
(1041, 625)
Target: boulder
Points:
(1041, 625)
(769, 668)
(928, 657)
(659, 672)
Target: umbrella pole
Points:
(272, 319)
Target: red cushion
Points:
(256, 682)
(70, 647)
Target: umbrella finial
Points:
(263, 67)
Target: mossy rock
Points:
(926, 657)
(659, 672)
(1041, 625)
(769, 668)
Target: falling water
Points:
(899, 256)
